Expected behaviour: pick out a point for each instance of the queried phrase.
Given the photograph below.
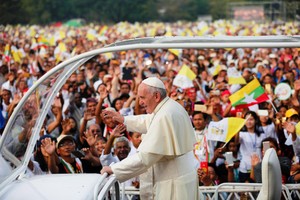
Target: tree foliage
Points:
(104, 11)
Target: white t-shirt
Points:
(250, 143)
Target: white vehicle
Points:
(28, 117)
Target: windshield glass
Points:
(16, 141)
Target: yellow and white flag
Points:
(176, 52)
(184, 78)
(298, 129)
(215, 70)
(225, 129)
(234, 76)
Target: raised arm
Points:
(115, 83)
(103, 95)
(57, 111)
(117, 132)
(53, 160)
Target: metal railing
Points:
(231, 191)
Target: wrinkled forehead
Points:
(143, 89)
(122, 144)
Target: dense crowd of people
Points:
(76, 138)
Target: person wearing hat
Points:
(63, 161)
(167, 142)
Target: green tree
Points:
(218, 9)
(11, 12)
(203, 7)
(173, 10)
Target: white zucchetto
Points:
(154, 82)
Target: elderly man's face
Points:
(148, 100)
(122, 150)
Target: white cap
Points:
(64, 137)
(201, 57)
(259, 64)
(266, 62)
(154, 82)
(272, 55)
(97, 84)
(231, 62)
(223, 67)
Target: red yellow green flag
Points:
(7, 53)
(251, 94)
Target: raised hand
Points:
(289, 127)
(90, 138)
(255, 159)
(66, 126)
(103, 94)
(88, 115)
(88, 154)
(118, 130)
(48, 145)
(89, 74)
(117, 117)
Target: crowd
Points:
(76, 138)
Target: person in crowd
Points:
(76, 108)
(121, 147)
(209, 178)
(41, 156)
(249, 138)
(89, 115)
(233, 170)
(285, 162)
(135, 141)
(61, 159)
(267, 123)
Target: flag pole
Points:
(273, 106)
(200, 88)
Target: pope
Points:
(164, 160)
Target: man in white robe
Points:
(165, 152)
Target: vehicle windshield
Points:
(16, 142)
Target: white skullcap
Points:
(154, 82)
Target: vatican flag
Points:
(225, 129)
(184, 78)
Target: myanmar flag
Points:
(249, 95)
(6, 53)
(184, 78)
(225, 129)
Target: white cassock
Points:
(165, 153)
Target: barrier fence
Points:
(230, 191)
